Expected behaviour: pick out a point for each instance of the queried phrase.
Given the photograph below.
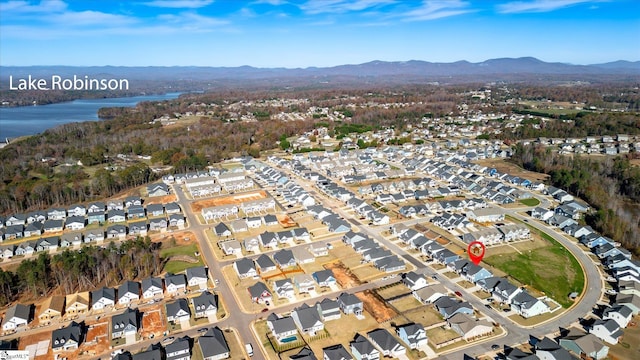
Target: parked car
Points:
(265, 310)
(168, 340)
(458, 293)
(495, 347)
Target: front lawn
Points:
(530, 202)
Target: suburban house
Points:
(607, 330)
(158, 189)
(231, 247)
(77, 304)
(128, 292)
(468, 327)
(205, 305)
(324, 278)
(52, 308)
(180, 349)
(174, 283)
(260, 293)
(386, 343)
(528, 306)
(335, 352)
(152, 287)
(265, 264)
(621, 314)
(74, 223)
(16, 316)
(448, 306)
(414, 281)
(284, 258)
(197, 276)
(304, 283)
(125, 324)
(413, 335)
(66, 338)
(245, 268)
(549, 349)
(282, 328)
(213, 345)
(583, 344)
(363, 349)
(103, 298)
(429, 294)
(284, 289)
(328, 309)
(178, 311)
(350, 304)
(307, 319)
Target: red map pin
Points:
(476, 251)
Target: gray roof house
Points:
(328, 309)
(363, 349)
(386, 343)
(213, 345)
(281, 327)
(204, 305)
(197, 276)
(151, 287)
(265, 264)
(284, 258)
(307, 319)
(66, 338)
(102, 298)
(413, 335)
(175, 282)
(336, 352)
(350, 304)
(125, 323)
(304, 354)
(178, 311)
(128, 291)
(180, 349)
(259, 293)
(17, 315)
(245, 268)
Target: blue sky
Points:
(303, 33)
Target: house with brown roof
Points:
(77, 303)
(52, 308)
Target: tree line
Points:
(76, 271)
(610, 185)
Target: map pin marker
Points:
(476, 251)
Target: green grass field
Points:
(551, 269)
(530, 202)
(176, 266)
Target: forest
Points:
(76, 271)
(610, 185)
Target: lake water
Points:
(30, 120)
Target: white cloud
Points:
(437, 9)
(341, 6)
(538, 5)
(179, 4)
(25, 7)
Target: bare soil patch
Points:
(343, 275)
(161, 199)
(375, 306)
(197, 206)
(153, 321)
(97, 339)
(506, 167)
(286, 221)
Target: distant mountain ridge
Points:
(372, 69)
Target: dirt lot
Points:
(285, 221)
(376, 306)
(160, 199)
(179, 236)
(503, 166)
(153, 321)
(344, 277)
(34, 339)
(97, 340)
(197, 206)
(392, 291)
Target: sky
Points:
(320, 33)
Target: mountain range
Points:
(502, 68)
